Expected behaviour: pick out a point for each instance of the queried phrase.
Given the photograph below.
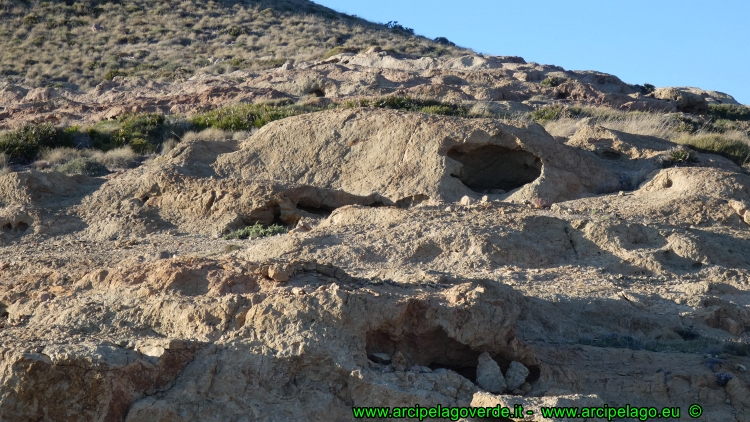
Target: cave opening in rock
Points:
(21, 226)
(433, 349)
(492, 168)
(317, 93)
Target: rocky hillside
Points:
(375, 228)
(76, 45)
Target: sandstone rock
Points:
(409, 152)
(739, 207)
(278, 273)
(489, 376)
(516, 375)
(466, 201)
(539, 203)
(686, 101)
(746, 218)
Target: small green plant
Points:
(30, 20)
(679, 157)
(255, 231)
(231, 248)
(553, 81)
(85, 166)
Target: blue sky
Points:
(662, 42)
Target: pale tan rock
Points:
(278, 273)
(489, 376)
(466, 201)
(739, 207)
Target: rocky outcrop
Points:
(400, 155)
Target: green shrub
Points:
(729, 112)
(146, 128)
(255, 231)
(24, 144)
(553, 81)
(547, 113)
(247, 116)
(85, 166)
(678, 157)
(411, 104)
(735, 150)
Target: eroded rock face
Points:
(400, 155)
(250, 345)
(432, 257)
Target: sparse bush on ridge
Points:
(411, 104)
(714, 143)
(84, 166)
(552, 81)
(247, 116)
(729, 112)
(173, 41)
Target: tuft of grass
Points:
(231, 248)
(83, 165)
(4, 164)
(339, 50)
(255, 231)
(117, 159)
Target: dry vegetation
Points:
(53, 43)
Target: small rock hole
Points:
(318, 93)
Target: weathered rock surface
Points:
(489, 376)
(489, 85)
(430, 254)
(516, 375)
